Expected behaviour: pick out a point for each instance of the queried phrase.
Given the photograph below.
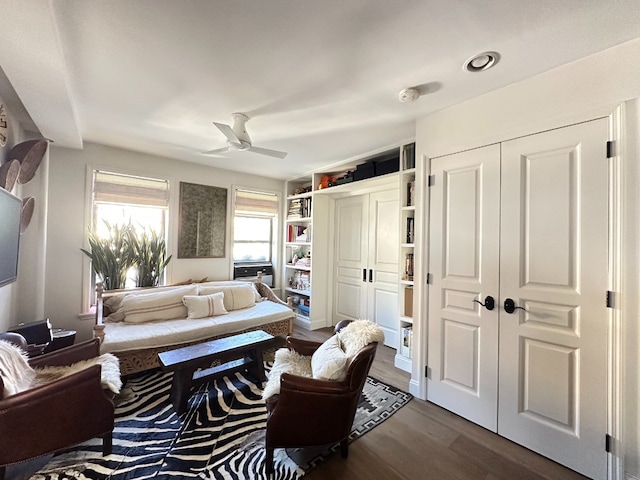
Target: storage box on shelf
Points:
(407, 186)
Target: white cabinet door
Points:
(351, 242)
(383, 248)
(366, 275)
(525, 221)
(554, 264)
(463, 258)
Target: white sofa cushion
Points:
(163, 304)
(200, 306)
(329, 362)
(122, 336)
(236, 297)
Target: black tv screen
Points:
(10, 216)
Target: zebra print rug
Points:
(219, 437)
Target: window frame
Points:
(88, 276)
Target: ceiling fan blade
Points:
(216, 151)
(227, 131)
(266, 151)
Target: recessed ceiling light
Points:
(481, 62)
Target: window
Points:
(119, 199)
(254, 224)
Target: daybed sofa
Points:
(136, 325)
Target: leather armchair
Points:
(58, 415)
(309, 411)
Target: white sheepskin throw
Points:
(286, 361)
(15, 371)
(110, 371)
(358, 334)
(18, 375)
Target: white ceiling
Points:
(319, 79)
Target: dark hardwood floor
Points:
(424, 441)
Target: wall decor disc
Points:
(29, 154)
(9, 172)
(28, 205)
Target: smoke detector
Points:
(409, 95)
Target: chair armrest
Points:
(68, 355)
(303, 347)
(289, 383)
(61, 413)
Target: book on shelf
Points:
(407, 340)
(299, 208)
(299, 233)
(408, 267)
(409, 156)
(410, 230)
(411, 187)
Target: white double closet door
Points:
(526, 221)
(367, 254)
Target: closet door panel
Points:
(554, 265)
(463, 259)
(351, 239)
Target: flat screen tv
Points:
(10, 216)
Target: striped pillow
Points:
(201, 306)
(235, 296)
(163, 305)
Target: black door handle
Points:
(370, 276)
(510, 306)
(364, 274)
(489, 302)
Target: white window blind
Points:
(255, 204)
(129, 190)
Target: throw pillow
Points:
(329, 362)
(164, 304)
(286, 361)
(235, 296)
(201, 306)
(359, 334)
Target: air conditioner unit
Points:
(249, 271)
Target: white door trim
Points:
(615, 414)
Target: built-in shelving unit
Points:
(308, 227)
(407, 188)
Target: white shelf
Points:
(407, 245)
(406, 282)
(300, 195)
(404, 319)
(410, 208)
(298, 244)
(299, 220)
(306, 293)
(293, 267)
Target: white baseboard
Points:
(414, 389)
(402, 362)
(309, 324)
(628, 476)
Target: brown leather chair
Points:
(315, 412)
(57, 415)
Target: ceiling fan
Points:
(238, 139)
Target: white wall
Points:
(23, 300)
(67, 227)
(583, 90)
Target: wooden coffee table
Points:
(191, 366)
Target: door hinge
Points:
(610, 299)
(427, 372)
(611, 149)
(431, 181)
(429, 279)
(607, 443)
